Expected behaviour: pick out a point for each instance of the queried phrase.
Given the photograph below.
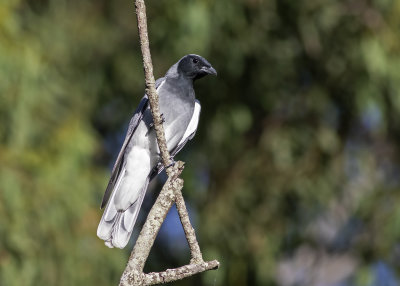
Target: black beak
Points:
(209, 70)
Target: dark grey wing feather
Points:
(180, 146)
(160, 166)
(133, 124)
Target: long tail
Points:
(116, 227)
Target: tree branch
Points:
(179, 273)
(150, 83)
(187, 227)
(170, 193)
(133, 274)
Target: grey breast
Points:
(177, 100)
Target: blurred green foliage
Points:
(296, 157)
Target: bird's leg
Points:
(151, 125)
(162, 118)
(172, 162)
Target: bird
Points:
(139, 159)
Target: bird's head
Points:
(195, 67)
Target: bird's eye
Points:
(195, 61)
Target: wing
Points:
(133, 124)
(188, 135)
(190, 130)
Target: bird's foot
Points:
(151, 124)
(172, 162)
(162, 118)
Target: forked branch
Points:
(170, 193)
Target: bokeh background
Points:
(293, 177)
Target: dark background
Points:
(293, 177)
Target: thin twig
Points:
(179, 273)
(150, 82)
(187, 227)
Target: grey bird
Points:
(139, 160)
